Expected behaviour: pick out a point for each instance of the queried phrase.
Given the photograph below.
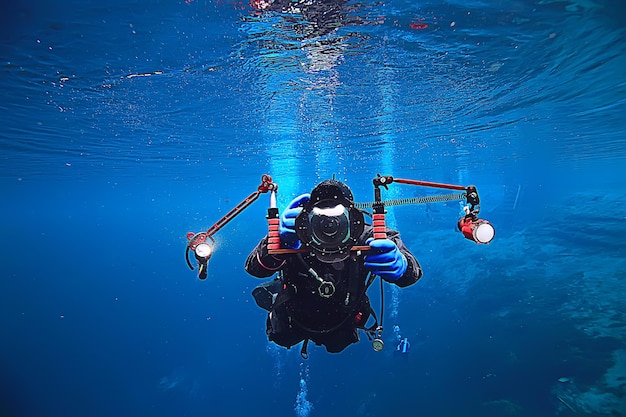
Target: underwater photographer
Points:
(329, 260)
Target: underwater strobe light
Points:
(202, 250)
(473, 228)
(478, 230)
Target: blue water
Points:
(125, 125)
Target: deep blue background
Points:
(126, 125)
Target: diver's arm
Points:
(414, 270)
(260, 263)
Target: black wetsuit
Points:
(299, 312)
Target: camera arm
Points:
(198, 241)
(473, 228)
(471, 194)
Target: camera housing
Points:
(329, 224)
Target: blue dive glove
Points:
(385, 259)
(287, 225)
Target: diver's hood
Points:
(331, 189)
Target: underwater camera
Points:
(330, 224)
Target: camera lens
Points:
(329, 226)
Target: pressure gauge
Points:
(378, 345)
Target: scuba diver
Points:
(320, 292)
(403, 347)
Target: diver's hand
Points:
(287, 226)
(385, 259)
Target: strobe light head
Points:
(203, 252)
(477, 230)
(202, 247)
